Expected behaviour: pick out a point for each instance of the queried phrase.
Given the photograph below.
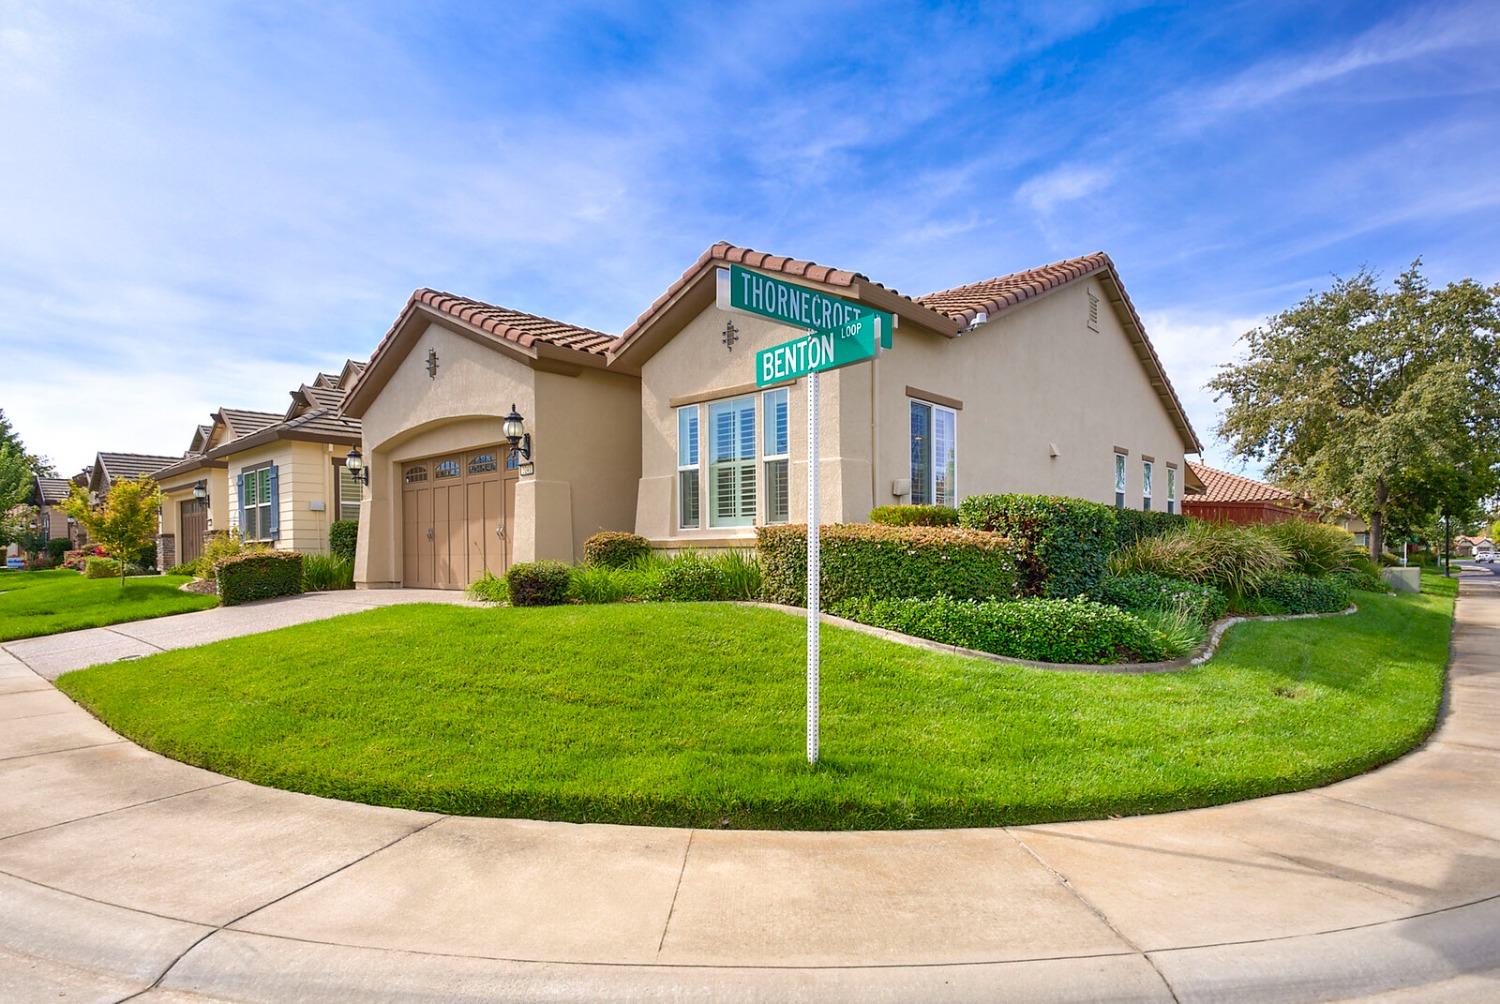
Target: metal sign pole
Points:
(814, 576)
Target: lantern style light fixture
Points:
(354, 463)
(200, 491)
(516, 434)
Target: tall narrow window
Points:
(687, 467)
(1146, 485)
(256, 504)
(1171, 489)
(934, 454)
(775, 454)
(1119, 481)
(349, 491)
(731, 462)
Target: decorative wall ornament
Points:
(432, 363)
(730, 336)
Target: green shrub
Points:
(322, 572)
(489, 588)
(615, 549)
(538, 583)
(869, 560)
(1132, 525)
(1037, 629)
(1364, 575)
(914, 515)
(187, 568)
(1316, 548)
(1063, 543)
(221, 546)
(689, 577)
(1236, 559)
(343, 538)
(604, 584)
(258, 575)
(1180, 631)
(57, 547)
(101, 568)
(1296, 593)
(1147, 591)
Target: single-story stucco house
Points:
(1234, 498)
(111, 467)
(1040, 381)
(48, 495)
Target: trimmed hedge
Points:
(914, 515)
(258, 575)
(537, 583)
(1064, 543)
(343, 538)
(1296, 593)
(1149, 591)
(615, 549)
(101, 568)
(861, 559)
(1132, 525)
(1037, 629)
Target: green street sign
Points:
(749, 292)
(817, 351)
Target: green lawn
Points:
(38, 603)
(692, 714)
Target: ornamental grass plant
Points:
(1236, 559)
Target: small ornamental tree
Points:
(125, 524)
(15, 525)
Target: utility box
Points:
(1403, 580)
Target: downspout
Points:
(875, 499)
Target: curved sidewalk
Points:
(123, 874)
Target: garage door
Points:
(456, 512)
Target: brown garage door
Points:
(456, 512)
(192, 526)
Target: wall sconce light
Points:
(354, 463)
(516, 434)
(200, 491)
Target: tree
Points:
(125, 523)
(15, 524)
(15, 491)
(40, 466)
(1385, 402)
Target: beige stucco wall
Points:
(306, 485)
(1032, 379)
(585, 446)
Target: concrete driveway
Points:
(123, 873)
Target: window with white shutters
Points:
(731, 462)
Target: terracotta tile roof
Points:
(1221, 486)
(51, 491)
(513, 325)
(732, 254)
(132, 465)
(992, 296)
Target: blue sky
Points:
(203, 204)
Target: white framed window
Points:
(687, 468)
(934, 454)
(775, 454)
(731, 462)
(1119, 480)
(349, 491)
(1146, 466)
(1171, 488)
(255, 506)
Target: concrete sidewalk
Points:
(53, 655)
(124, 873)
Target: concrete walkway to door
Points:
(53, 655)
(127, 875)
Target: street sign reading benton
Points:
(827, 349)
(749, 292)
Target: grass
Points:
(40, 603)
(692, 714)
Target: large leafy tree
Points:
(1384, 401)
(15, 492)
(124, 524)
(41, 466)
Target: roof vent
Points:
(1093, 312)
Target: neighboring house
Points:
(195, 500)
(48, 495)
(1043, 381)
(284, 473)
(111, 467)
(1466, 546)
(1233, 498)
(447, 500)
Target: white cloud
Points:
(1069, 183)
(1193, 345)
